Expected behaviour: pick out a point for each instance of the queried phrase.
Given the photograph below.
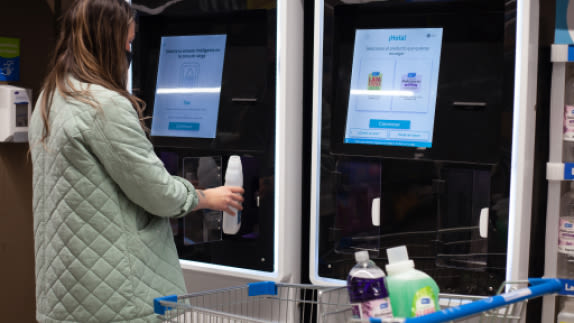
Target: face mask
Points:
(129, 56)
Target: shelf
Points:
(562, 53)
(557, 171)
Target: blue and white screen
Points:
(394, 87)
(188, 86)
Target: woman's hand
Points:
(221, 198)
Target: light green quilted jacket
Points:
(103, 243)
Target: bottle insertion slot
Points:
(469, 105)
(244, 100)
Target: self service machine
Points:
(219, 81)
(413, 140)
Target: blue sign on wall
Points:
(9, 59)
(564, 30)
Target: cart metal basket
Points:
(277, 302)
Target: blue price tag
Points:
(567, 287)
(570, 53)
(568, 170)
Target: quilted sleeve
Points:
(121, 145)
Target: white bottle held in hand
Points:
(233, 177)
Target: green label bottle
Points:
(412, 292)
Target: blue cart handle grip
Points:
(160, 309)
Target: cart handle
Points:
(540, 286)
(262, 288)
(158, 304)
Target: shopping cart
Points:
(258, 302)
(267, 302)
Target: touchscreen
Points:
(188, 86)
(394, 87)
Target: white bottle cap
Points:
(362, 256)
(398, 260)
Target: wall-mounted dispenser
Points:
(15, 111)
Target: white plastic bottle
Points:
(233, 177)
(367, 289)
(566, 315)
(566, 235)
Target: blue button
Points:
(390, 124)
(190, 126)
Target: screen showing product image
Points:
(188, 86)
(394, 87)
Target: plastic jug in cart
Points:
(367, 289)
(413, 292)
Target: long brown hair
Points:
(91, 49)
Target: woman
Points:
(102, 199)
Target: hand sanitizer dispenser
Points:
(15, 111)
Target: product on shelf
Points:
(566, 234)
(566, 315)
(568, 124)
